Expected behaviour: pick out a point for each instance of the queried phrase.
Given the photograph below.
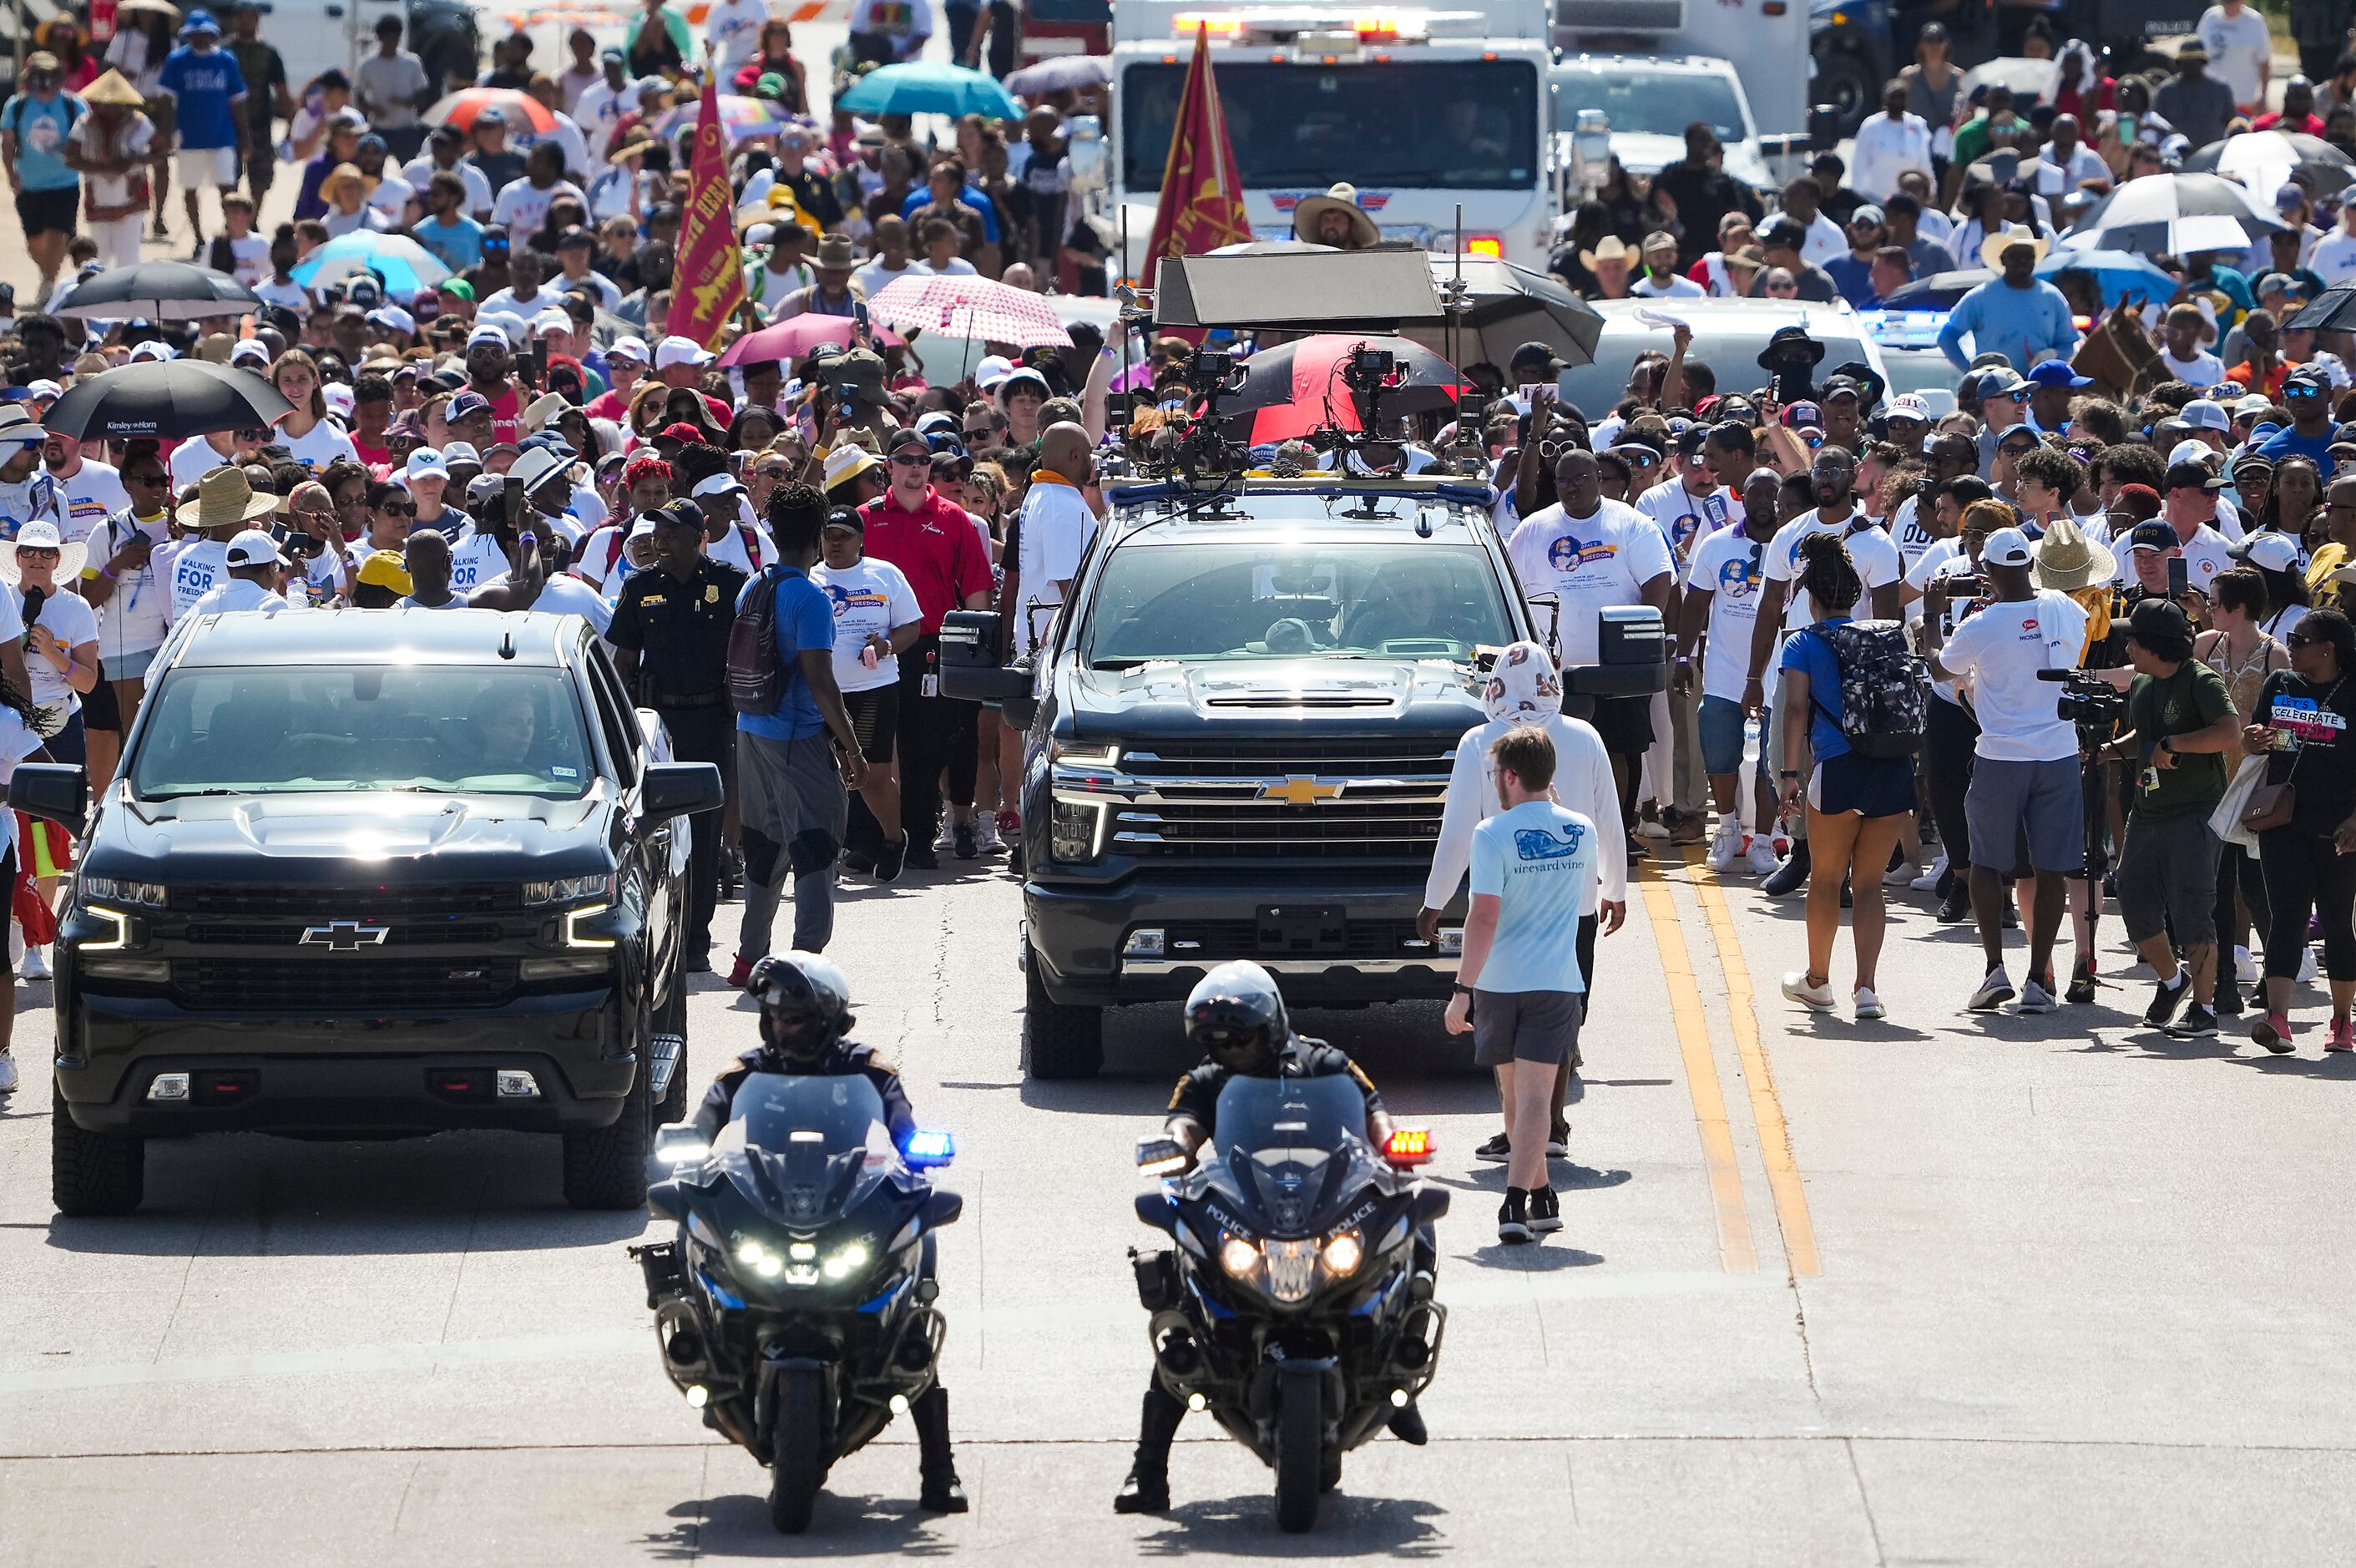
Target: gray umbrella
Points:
(159, 291)
(1508, 307)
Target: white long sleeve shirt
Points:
(1887, 148)
(1583, 782)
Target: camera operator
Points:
(1782, 610)
(2025, 773)
(2181, 724)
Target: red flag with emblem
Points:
(708, 280)
(1202, 196)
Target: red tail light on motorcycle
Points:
(1408, 1147)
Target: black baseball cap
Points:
(2192, 476)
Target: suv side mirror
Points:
(57, 790)
(676, 789)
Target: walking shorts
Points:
(1525, 1026)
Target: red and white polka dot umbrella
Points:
(969, 307)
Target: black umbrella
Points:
(160, 291)
(1504, 308)
(1940, 291)
(2333, 310)
(165, 400)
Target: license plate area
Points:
(1287, 929)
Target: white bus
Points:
(1421, 110)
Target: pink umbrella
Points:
(970, 307)
(795, 339)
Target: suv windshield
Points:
(1647, 102)
(297, 729)
(1201, 601)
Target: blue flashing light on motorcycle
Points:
(928, 1149)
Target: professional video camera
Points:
(2089, 701)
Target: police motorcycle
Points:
(1295, 1306)
(794, 1308)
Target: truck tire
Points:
(605, 1167)
(1300, 1452)
(93, 1174)
(797, 1460)
(1058, 1040)
(1843, 83)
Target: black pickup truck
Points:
(373, 872)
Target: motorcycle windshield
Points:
(805, 1148)
(1288, 1144)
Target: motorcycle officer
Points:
(1237, 1015)
(804, 1024)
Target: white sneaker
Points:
(1760, 855)
(2246, 968)
(2306, 965)
(1929, 881)
(1869, 1006)
(946, 842)
(1993, 993)
(1901, 874)
(1819, 997)
(7, 1074)
(35, 966)
(2033, 998)
(1652, 828)
(1725, 845)
(985, 836)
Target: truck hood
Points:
(468, 835)
(1284, 694)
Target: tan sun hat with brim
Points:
(1342, 198)
(112, 88)
(2067, 561)
(636, 142)
(1613, 248)
(224, 499)
(340, 176)
(1750, 256)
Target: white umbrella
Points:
(2176, 215)
(2263, 160)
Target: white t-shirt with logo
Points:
(1875, 556)
(1998, 652)
(134, 619)
(1684, 517)
(1588, 564)
(871, 597)
(2199, 372)
(2208, 554)
(1728, 565)
(195, 568)
(1912, 533)
(475, 561)
(73, 623)
(94, 494)
(321, 446)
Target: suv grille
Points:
(1213, 941)
(374, 905)
(1370, 800)
(300, 985)
(412, 932)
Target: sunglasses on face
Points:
(913, 459)
(2300, 640)
(397, 508)
(156, 478)
(35, 553)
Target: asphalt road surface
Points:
(1942, 1289)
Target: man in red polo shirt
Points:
(932, 540)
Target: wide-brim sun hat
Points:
(1342, 197)
(71, 556)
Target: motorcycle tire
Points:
(797, 1452)
(1299, 1454)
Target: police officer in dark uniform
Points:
(1236, 1015)
(670, 634)
(804, 1024)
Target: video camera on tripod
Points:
(2089, 701)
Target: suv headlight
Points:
(113, 890)
(1075, 832)
(569, 889)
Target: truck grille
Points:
(1214, 940)
(1233, 800)
(247, 984)
(372, 905)
(413, 931)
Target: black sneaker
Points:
(1848, 899)
(2228, 1003)
(2198, 1024)
(968, 845)
(2082, 986)
(856, 864)
(1496, 1151)
(2166, 999)
(1957, 906)
(1790, 876)
(1559, 1141)
(920, 856)
(1514, 1217)
(1545, 1211)
(2011, 913)
(888, 863)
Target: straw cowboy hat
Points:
(1612, 249)
(1993, 247)
(113, 89)
(1342, 198)
(636, 143)
(41, 536)
(341, 175)
(2066, 560)
(224, 499)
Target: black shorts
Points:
(875, 720)
(49, 211)
(1625, 724)
(101, 708)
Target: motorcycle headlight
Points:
(1343, 1252)
(1239, 1256)
(846, 1260)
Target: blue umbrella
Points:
(405, 265)
(929, 87)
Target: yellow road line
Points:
(1766, 1107)
(1734, 1249)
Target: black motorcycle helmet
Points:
(1237, 1015)
(804, 1004)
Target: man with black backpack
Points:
(2025, 779)
(792, 782)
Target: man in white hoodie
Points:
(1523, 688)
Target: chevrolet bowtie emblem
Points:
(1299, 790)
(344, 936)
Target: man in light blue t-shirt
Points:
(1519, 989)
(33, 128)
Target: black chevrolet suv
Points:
(1241, 730)
(373, 872)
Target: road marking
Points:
(1791, 1194)
(1734, 1249)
